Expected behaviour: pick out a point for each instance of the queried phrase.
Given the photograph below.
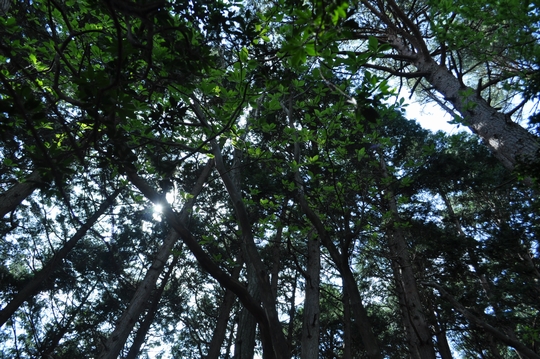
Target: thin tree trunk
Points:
(214, 348)
(275, 329)
(244, 346)
(203, 258)
(124, 326)
(276, 255)
(292, 309)
(442, 340)
(56, 334)
(418, 331)
(10, 199)
(482, 275)
(363, 325)
(359, 311)
(279, 344)
(151, 314)
(35, 284)
(310, 328)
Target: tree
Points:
(269, 196)
(455, 52)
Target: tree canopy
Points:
(218, 179)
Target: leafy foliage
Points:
(116, 230)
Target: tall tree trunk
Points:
(35, 284)
(276, 255)
(310, 328)
(279, 344)
(349, 282)
(205, 261)
(10, 199)
(244, 346)
(151, 314)
(347, 337)
(418, 331)
(214, 348)
(364, 327)
(440, 333)
(508, 141)
(124, 326)
(292, 309)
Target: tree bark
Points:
(203, 258)
(244, 346)
(362, 321)
(509, 142)
(214, 348)
(10, 199)
(359, 311)
(347, 337)
(151, 314)
(418, 331)
(124, 326)
(279, 344)
(310, 328)
(34, 285)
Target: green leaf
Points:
(373, 44)
(310, 49)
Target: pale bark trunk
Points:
(33, 286)
(10, 199)
(292, 308)
(418, 331)
(359, 312)
(310, 328)
(509, 142)
(276, 255)
(124, 326)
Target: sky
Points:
(430, 116)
